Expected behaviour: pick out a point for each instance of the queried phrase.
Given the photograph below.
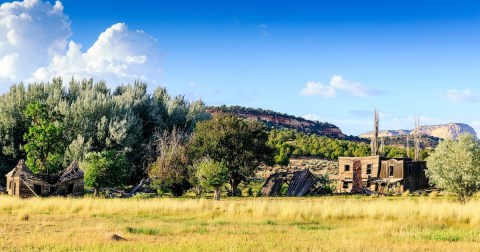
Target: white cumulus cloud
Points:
(461, 95)
(317, 88)
(338, 83)
(31, 33)
(35, 46)
(354, 88)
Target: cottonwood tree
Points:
(237, 143)
(170, 170)
(455, 166)
(210, 173)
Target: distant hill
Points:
(278, 120)
(444, 131)
(401, 141)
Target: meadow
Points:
(335, 223)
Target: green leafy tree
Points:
(210, 173)
(44, 138)
(239, 144)
(108, 168)
(455, 166)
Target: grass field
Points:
(241, 224)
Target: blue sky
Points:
(333, 61)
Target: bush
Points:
(250, 192)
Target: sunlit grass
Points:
(245, 224)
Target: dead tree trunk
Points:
(374, 139)
(217, 193)
(95, 192)
(198, 191)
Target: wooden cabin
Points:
(381, 174)
(23, 183)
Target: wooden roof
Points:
(21, 168)
(71, 172)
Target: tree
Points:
(44, 138)
(237, 143)
(455, 166)
(108, 168)
(211, 174)
(170, 170)
(91, 117)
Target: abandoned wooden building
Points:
(379, 174)
(23, 183)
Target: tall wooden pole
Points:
(417, 138)
(374, 140)
(408, 145)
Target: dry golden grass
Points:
(242, 224)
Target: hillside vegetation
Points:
(291, 143)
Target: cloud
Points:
(119, 55)
(31, 33)
(354, 88)
(263, 29)
(461, 95)
(316, 88)
(35, 46)
(338, 83)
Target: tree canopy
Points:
(239, 144)
(44, 138)
(455, 166)
(211, 174)
(91, 118)
(106, 168)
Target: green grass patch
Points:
(146, 231)
(313, 227)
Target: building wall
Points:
(415, 177)
(391, 164)
(78, 187)
(365, 161)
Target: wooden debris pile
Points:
(300, 183)
(303, 183)
(143, 186)
(274, 184)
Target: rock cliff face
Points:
(278, 120)
(445, 131)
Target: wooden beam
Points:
(27, 187)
